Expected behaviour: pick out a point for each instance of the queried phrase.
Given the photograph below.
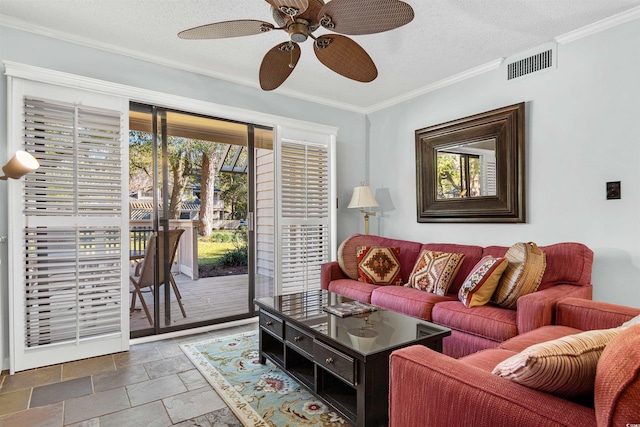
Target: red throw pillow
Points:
(379, 265)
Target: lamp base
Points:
(366, 220)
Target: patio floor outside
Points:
(204, 299)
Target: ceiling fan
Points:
(300, 19)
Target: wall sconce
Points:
(20, 164)
(363, 198)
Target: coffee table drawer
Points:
(298, 339)
(333, 360)
(271, 323)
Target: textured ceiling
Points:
(447, 37)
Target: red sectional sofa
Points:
(431, 389)
(568, 274)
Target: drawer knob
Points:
(329, 361)
(297, 338)
(269, 323)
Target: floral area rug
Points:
(259, 395)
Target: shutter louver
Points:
(73, 233)
(305, 209)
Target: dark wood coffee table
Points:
(342, 361)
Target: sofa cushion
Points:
(487, 321)
(567, 262)
(434, 271)
(472, 254)
(379, 265)
(617, 384)
(487, 359)
(349, 263)
(565, 367)
(409, 301)
(482, 281)
(353, 289)
(586, 314)
(460, 344)
(526, 265)
(537, 336)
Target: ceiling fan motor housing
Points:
(298, 30)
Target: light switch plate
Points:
(613, 190)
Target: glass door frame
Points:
(161, 221)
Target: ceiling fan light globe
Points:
(299, 31)
(298, 38)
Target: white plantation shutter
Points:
(489, 177)
(305, 235)
(80, 156)
(70, 296)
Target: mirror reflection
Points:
(466, 170)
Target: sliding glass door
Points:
(201, 219)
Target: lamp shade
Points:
(21, 163)
(362, 197)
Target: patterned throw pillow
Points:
(482, 281)
(565, 367)
(434, 271)
(379, 265)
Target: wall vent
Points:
(529, 63)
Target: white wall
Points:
(583, 129)
(58, 55)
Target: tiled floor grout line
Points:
(166, 411)
(29, 400)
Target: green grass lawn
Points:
(209, 252)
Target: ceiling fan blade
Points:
(278, 64)
(345, 57)
(356, 17)
(311, 14)
(290, 7)
(226, 29)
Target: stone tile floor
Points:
(153, 384)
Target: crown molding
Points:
(18, 24)
(456, 78)
(569, 37)
(599, 26)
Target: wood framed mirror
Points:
(473, 169)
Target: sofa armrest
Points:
(539, 308)
(588, 315)
(330, 271)
(427, 388)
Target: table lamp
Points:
(363, 198)
(20, 164)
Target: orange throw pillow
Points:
(482, 281)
